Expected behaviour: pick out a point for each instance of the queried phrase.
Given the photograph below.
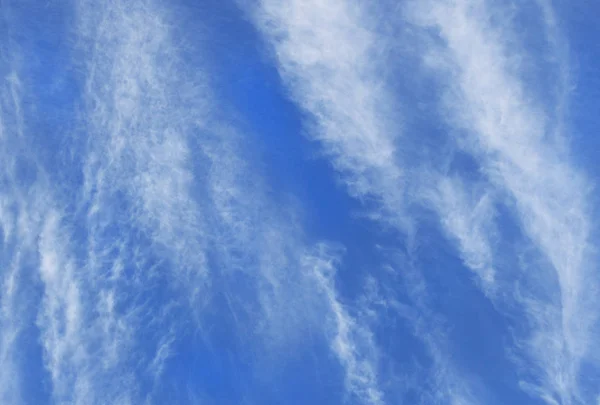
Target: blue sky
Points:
(299, 202)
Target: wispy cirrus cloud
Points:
(21, 213)
(95, 277)
(292, 293)
(328, 58)
(447, 383)
(86, 326)
(141, 106)
(523, 154)
(99, 263)
(16, 242)
(329, 55)
(33, 238)
(148, 121)
(167, 228)
(351, 339)
(84, 338)
(406, 295)
(468, 214)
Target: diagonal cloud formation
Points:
(327, 55)
(141, 104)
(33, 238)
(517, 144)
(323, 51)
(180, 172)
(86, 359)
(16, 241)
(351, 340)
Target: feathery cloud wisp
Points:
(328, 55)
(510, 134)
(332, 73)
(139, 112)
(143, 126)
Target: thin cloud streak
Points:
(34, 239)
(350, 339)
(16, 242)
(170, 225)
(327, 54)
(295, 287)
(88, 331)
(467, 215)
(141, 105)
(325, 65)
(144, 125)
(21, 213)
(511, 135)
(446, 383)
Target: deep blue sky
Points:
(299, 202)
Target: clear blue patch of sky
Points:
(478, 334)
(41, 38)
(579, 22)
(37, 387)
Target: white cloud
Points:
(468, 217)
(447, 383)
(11, 323)
(88, 331)
(61, 317)
(81, 348)
(142, 104)
(511, 135)
(144, 109)
(18, 221)
(156, 161)
(292, 292)
(328, 53)
(328, 56)
(350, 338)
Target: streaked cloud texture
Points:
(299, 202)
